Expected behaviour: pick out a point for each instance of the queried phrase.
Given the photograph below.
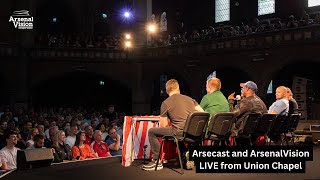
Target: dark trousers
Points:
(153, 135)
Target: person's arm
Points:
(204, 102)
(115, 146)
(76, 153)
(163, 121)
(279, 108)
(198, 108)
(4, 166)
(56, 156)
(231, 100)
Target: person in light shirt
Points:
(8, 154)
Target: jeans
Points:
(153, 135)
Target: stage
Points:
(111, 168)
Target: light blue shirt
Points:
(281, 107)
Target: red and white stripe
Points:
(134, 150)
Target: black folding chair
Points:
(220, 126)
(291, 125)
(278, 128)
(265, 124)
(193, 133)
(248, 127)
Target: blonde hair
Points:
(214, 83)
(56, 138)
(172, 85)
(289, 91)
(30, 136)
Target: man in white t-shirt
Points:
(71, 139)
(8, 154)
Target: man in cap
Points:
(250, 104)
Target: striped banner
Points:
(135, 137)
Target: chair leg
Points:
(292, 138)
(179, 153)
(159, 154)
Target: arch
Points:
(82, 88)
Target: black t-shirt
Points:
(293, 106)
(177, 107)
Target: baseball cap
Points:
(250, 85)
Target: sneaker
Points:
(152, 164)
(160, 166)
(189, 164)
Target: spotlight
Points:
(54, 19)
(152, 28)
(128, 44)
(127, 14)
(127, 36)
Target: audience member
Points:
(81, 151)
(32, 133)
(71, 139)
(8, 154)
(62, 150)
(114, 142)
(98, 147)
(89, 134)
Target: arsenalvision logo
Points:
(21, 20)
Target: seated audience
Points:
(81, 151)
(98, 147)
(8, 154)
(114, 142)
(89, 134)
(62, 150)
(32, 133)
(102, 128)
(49, 141)
(71, 139)
(38, 142)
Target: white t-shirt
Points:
(9, 156)
(30, 143)
(70, 140)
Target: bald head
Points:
(281, 92)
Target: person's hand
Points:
(231, 96)
(118, 137)
(53, 151)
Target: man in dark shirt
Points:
(250, 104)
(175, 108)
